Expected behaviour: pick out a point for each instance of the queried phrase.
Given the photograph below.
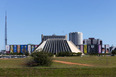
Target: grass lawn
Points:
(99, 62)
(102, 67)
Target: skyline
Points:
(27, 20)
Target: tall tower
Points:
(76, 38)
(5, 28)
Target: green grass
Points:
(99, 62)
(66, 72)
(103, 67)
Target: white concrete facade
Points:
(76, 38)
(58, 45)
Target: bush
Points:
(40, 59)
(113, 52)
(26, 54)
(78, 54)
(93, 54)
(44, 52)
(30, 61)
(50, 54)
(62, 54)
(15, 54)
(104, 54)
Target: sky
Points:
(28, 19)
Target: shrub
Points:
(104, 54)
(44, 52)
(62, 54)
(26, 54)
(50, 54)
(93, 54)
(113, 52)
(15, 54)
(40, 59)
(30, 61)
(78, 54)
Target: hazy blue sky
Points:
(28, 19)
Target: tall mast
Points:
(5, 28)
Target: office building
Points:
(92, 41)
(112, 48)
(21, 48)
(76, 38)
(92, 45)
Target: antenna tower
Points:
(5, 28)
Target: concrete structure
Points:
(92, 41)
(92, 45)
(76, 38)
(21, 48)
(57, 45)
(107, 48)
(44, 38)
(112, 48)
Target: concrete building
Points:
(57, 45)
(76, 38)
(106, 49)
(44, 38)
(21, 48)
(112, 48)
(92, 45)
(92, 41)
